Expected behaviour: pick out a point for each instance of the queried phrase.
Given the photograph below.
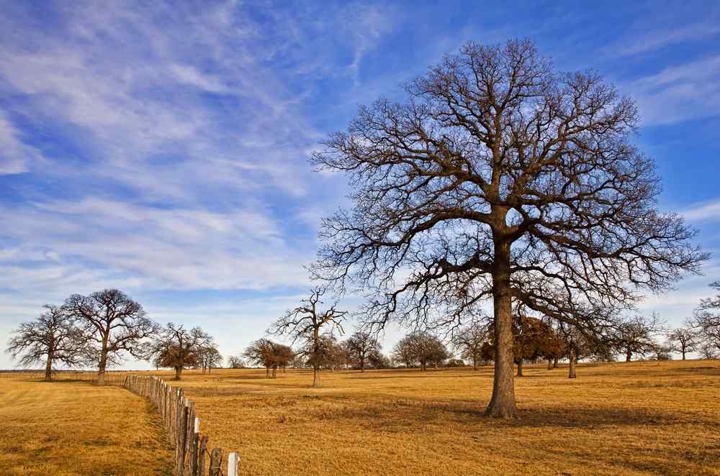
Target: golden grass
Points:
(76, 428)
(638, 418)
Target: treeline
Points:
(97, 330)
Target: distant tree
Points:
(455, 363)
(636, 335)
(115, 323)
(707, 351)
(236, 362)
(210, 358)
(378, 360)
(423, 348)
(52, 338)
(270, 355)
(306, 323)
(499, 178)
(662, 353)
(360, 346)
(178, 348)
(707, 319)
(682, 340)
(330, 354)
(469, 340)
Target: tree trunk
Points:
(550, 364)
(475, 367)
(362, 365)
(178, 373)
(502, 403)
(422, 366)
(573, 360)
(555, 362)
(683, 354)
(103, 364)
(48, 367)
(274, 372)
(628, 356)
(316, 376)
(267, 372)
(520, 368)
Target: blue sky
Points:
(162, 147)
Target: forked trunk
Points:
(178, 373)
(502, 403)
(48, 367)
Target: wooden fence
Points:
(183, 427)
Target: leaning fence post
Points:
(201, 454)
(216, 462)
(233, 461)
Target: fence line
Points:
(183, 429)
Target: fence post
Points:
(216, 462)
(233, 461)
(201, 454)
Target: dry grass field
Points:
(72, 427)
(638, 418)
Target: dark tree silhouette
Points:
(499, 179)
(116, 323)
(51, 338)
(305, 323)
(178, 348)
(235, 362)
(682, 340)
(360, 347)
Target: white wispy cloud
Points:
(678, 93)
(655, 39)
(16, 157)
(709, 211)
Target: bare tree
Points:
(469, 341)
(360, 347)
(305, 322)
(178, 348)
(707, 351)
(499, 179)
(210, 357)
(707, 319)
(235, 362)
(116, 323)
(682, 340)
(52, 338)
(637, 335)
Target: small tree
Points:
(236, 362)
(178, 348)
(360, 347)
(51, 338)
(469, 341)
(707, 319)
(305, 322)
(423, 348)
(210, 358)
(378, 360)
(115, 322)
(270, 355)
(636, 335)
(707, 351)
(682, 340)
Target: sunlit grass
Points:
(636, 418)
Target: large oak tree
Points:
(51, 338)
(115, 322)
(499, 179)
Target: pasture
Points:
(637, 418)
(71, 427)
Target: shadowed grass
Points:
(76, 428)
